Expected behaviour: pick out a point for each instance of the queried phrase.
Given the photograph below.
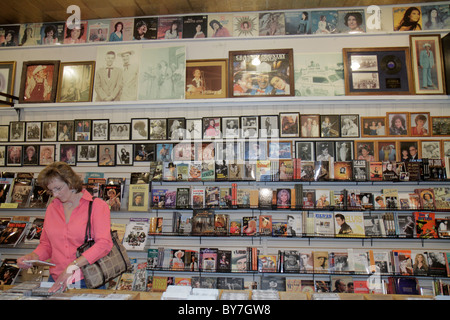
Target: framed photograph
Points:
(100, 130)
(119, 131)
(324, 150)
(31, 155)
(49, 129)
(106, 155)
(350, 125)
(427, 64)
(87, 153)
(194, 129)
(211, 128)
(268, 127)
(344, 151)
(365, 150)
(387, 150)
(158, 129)
(419, 124)
(206, 79)
(39, 81)
(261, 73)
(65, 130)
(397, 123)
(144, 152)
(231, 127)
(7, 80)
(310, 125)
(83, 129)
(47, 154)
(255, 150)
(440, 126)
(229, 151)
(14, 156)
(330, 126)
(4, 133)
(68, 154)
(373, 127)
(304, 150)
(164, 152)
(377, 71)
(250, 127)
(176, 128)
(430, 149)
(2, 156)
(446, 148)
(183, 151)
(33, 131)
(289, 125)
(279, 150)
(408, 150)
(124, 154)
(17, 131)
(139, 129)
(76, 81)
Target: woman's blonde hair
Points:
(62, 171)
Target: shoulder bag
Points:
(107, 268)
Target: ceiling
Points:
(27, 11)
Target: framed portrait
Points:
(124, 154)
(344, 151)
(211, 128)
(373, 127)
(279, 150)
(100, 129)
(206, 79)
(377, 71)
(255, 150)
(87, 153)
(194, 129)
(33, 131)
(408, 150)
(119, 131)
(289, 124)
(83, 129)
(76, 81)
(350, 125)
(365, 150)
(164, 152)
(304, 150)
(144, 152)
(176, 128)
(2, 156)
(14, 156)
(7, 81)
(65, 130)
(330, 126)
(419, 124)
(268, 126)
(204, 151)
(4, 133)
(446, 148)
(387, 150)
(68, 154)
(183, 151)
(139, 129)
(310, 125)
(427, 64)
(30, 155)
(250, 127)
(17, 131)
(158, 129)
(231, 127)
(106, 155)
(324, 150)
(49, 129)
(261, 73)
(440, 126)
(39, 81)
(397, 123)
(47, 154)
(430, 149)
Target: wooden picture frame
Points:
(387, 150)
(76, 81)
(427, 64)
(373, 126)
(106, 155)
(419, 124)
(445, 147)
(43, 72)
(365, 150)
(407, 150)
(206, 79)
(7, 80)
(397, 124)
(430, 149)
(440, 126)
(377, 71)
(255, 73)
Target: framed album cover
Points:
(427, 64)
(39, 81)
(206, 79)
(377, 71)
(261, 73)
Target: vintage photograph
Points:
(124, 154)
(39, 81)
(387, 150)
(106, 155)
(304, 150)
(100, 130)
(330, 126)
(65, 130)
(365, 150)
(7, 80)
(119, 131)
(324, 150)
(289, 124)
(351, 21)
(83, 130)
(139, 129)
(310, 125)
(231, 127)
(408, 150)
(49, 129)
(430, 149)
(142, 152)
(33, 131)
(194, 129)
(75, 82)
(47, 154)
(68, 154)
(297, 22)
(87, 153)
(249, 126)
(30, 155)
(206, 79)
(349, 125)
(211, 128)
(373, 126)
(14, 156)
(176, 128)
(344, 151)
(4, 133)
(268, 126)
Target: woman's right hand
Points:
(23, 265)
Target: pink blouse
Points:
(60, 240)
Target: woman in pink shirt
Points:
(65, 226)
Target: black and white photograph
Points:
(231, 127)
(176, 128)
(33, 131)
(350, 126)
(49, 130)
(144, 152)
(194, 129)
(100, 130)
(17, 131)
(249, 127)
(65, 130)
(305, 150)
(430, 149)
(87, 153)
(83, 130)
(106, 155)
(4, 133)
(139, 129)
(324, 150)
(158, 129)
(124, 154)
(31, 155)
(119, 131)
(344, 150)
(365, 80)
(268, 126)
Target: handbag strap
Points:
(87, 236)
